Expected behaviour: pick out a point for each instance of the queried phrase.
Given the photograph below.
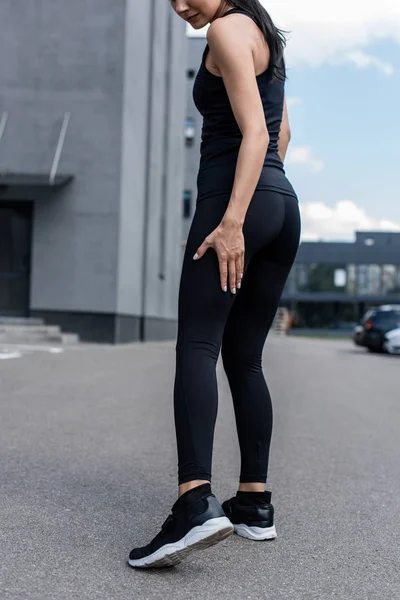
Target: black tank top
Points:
(221, 136)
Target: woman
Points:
(244, 236)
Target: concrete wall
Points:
(109, 244)
(152, 167)
(59, 57)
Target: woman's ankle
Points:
(190, 485)
(252, 487)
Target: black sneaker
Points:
(196, 521)
(252, 515)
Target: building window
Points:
(340, 278)
(351, 279)
(391, 279)
(369, 279)
(187, 204)
(320, 277)
(190, 73)
(190, 131)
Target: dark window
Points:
(187, 204)
(387, 318)
(191, 73)
(190, 131)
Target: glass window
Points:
(351, 281)
(391, 279)
(187, 204)
(339, 278)
(369, 279)
(190, 131)
(387, 318)
(319, 277)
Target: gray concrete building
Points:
(92, 96)
(334, 283)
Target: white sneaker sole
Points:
(255, 533)
(202, 536)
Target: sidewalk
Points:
(87, 442)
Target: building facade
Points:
(91, 165)
(333, 283)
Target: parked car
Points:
(357, 334)
(375, 325)
(391, 342)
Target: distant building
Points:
(334, 283)
(92, 98)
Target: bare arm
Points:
(231, 42)
(284, 133)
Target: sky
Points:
(343, 92)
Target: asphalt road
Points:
(88, 471)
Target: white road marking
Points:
(50, 349)
(8, 351)
(5, 356)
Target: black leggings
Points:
(209, 318)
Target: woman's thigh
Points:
(253, 313)
(203, 305)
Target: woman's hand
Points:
(228, 242)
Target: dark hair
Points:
(274, 37)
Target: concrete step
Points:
(36, 334)
(27, 321)
(31, 329)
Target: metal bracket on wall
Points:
(60, 145)
(3, 123)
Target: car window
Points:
(387, 318)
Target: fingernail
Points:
(239, 285)
(225, 289)
(241, 277)
(196, 256)
(234, 291)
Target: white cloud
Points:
(363, 60)
(323, 222)
(303, 155)
(330, 30)
(293, 101)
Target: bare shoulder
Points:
(233, 29)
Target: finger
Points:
(201, 250)
(223, 269)
(238, 271)
(232, 276)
